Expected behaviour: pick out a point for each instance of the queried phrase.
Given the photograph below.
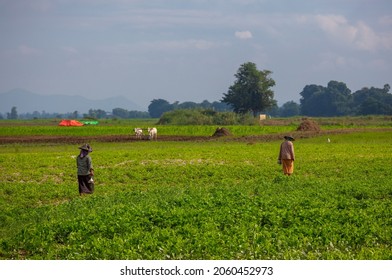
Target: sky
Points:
(180, 50)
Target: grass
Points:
(199, 200)
(125, 127)
(201, 130)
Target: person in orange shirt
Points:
(287, 156)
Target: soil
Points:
(308, 125)
(131, 138)
(221, 131)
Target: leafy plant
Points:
(199, 200)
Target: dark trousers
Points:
(84, 185)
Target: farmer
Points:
(85, 170)
(286, 155)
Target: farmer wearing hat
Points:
(85, 170)
(286, 155)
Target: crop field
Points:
(211, 198)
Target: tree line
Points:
(336, 100)
(252, 93)
(155, 110)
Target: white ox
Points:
(153, 133)
(138, 133)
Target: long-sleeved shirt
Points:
(286, 150)
(84, 165)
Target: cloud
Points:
(336, 26)
(157, 46)
(70, 50)
(174, 45)
(386, 21)
(358, 35)
(22, 8)
(366, 38)
(243, 35)
(332, 61)
(28, 51)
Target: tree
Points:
(13, 115)
(138, 115)
(159, 106)
(221, 106)
(251, 91)
(188, 105)
(289, 109)
(205, 104)
(373, 101)
(386, 88)
(339, 98)
(333, 100)
(120, 113)
(96, 113)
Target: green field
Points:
(209, 200)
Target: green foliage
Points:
(289, 109)
(13, 115)
(200, 200)
(204, 117)
(336, 100)
(125, 114)
(125, 127)
(251, 92)
(372, 101)
(158, 107)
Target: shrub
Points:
(204, 117)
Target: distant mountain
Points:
(28, 102)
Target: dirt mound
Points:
(308, 125)
(221, 131)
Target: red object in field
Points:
(70, 123)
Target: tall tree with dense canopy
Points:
(289, 109)
(159, 106)
(373, 101)
(251, 91)
(333, 100)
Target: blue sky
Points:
(190, 50)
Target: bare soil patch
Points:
(131, 138)
(86, 139)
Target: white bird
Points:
(329, 140)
